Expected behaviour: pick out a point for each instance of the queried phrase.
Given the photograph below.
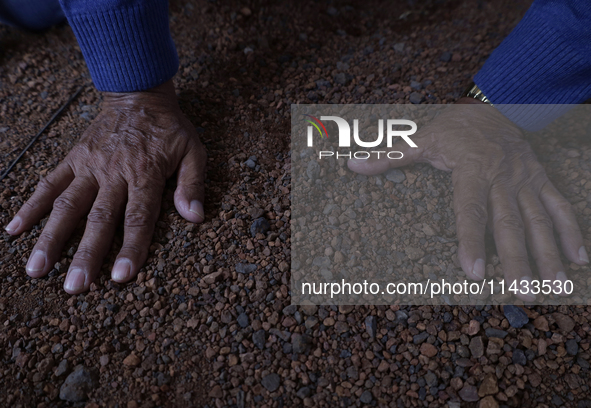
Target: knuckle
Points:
(86, 254)
(139, 216)
(541, 221)
(30, 204)
(102, 215)
(64, 205)
(509, 220)
(46, 184)
(47, 239)
(517, 261)
(473, 211)
(149, 182)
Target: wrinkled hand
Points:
(498, 182)
(119, 168)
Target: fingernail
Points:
(121, 270)
(479, 268)
(36, 262)
(197, 208)
(527, 296)
(583, 255)
(13, 225)
(75, 280)
(561, 276)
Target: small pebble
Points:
(516, 316)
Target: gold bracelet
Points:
(473, 91)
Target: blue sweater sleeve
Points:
(545, 60)
(126, 43)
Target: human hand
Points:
(119, 167)
(498, 181)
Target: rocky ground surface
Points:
(208, 322)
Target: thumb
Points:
(190, 191)
(399, 155)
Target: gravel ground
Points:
(208, 322)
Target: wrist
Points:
(163, 95)
(487, 117)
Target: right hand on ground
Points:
(498, 182)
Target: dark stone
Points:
(516, 316)
(78, 384)
(62, 369)
(282, 334)
(419, 338)
(352, 373)
(469, 393)
(271, 382)
(445, 57)
(163, 379)
(251, 164)
(259, 338)
(371, 326)
(416, 98)
(463, 351)
(342, 79)
(242, 320)
(572, 348)
(431, 379)
(300, 343)
(416, 85)
(303, 392)
(557, 401)
(477, 347)
(490, 332)
(366, 397)
(313, 96)
(260, 225)
(395, 175)
(519, 357)
(464, 362)
(245, 268)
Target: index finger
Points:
(41, 202)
